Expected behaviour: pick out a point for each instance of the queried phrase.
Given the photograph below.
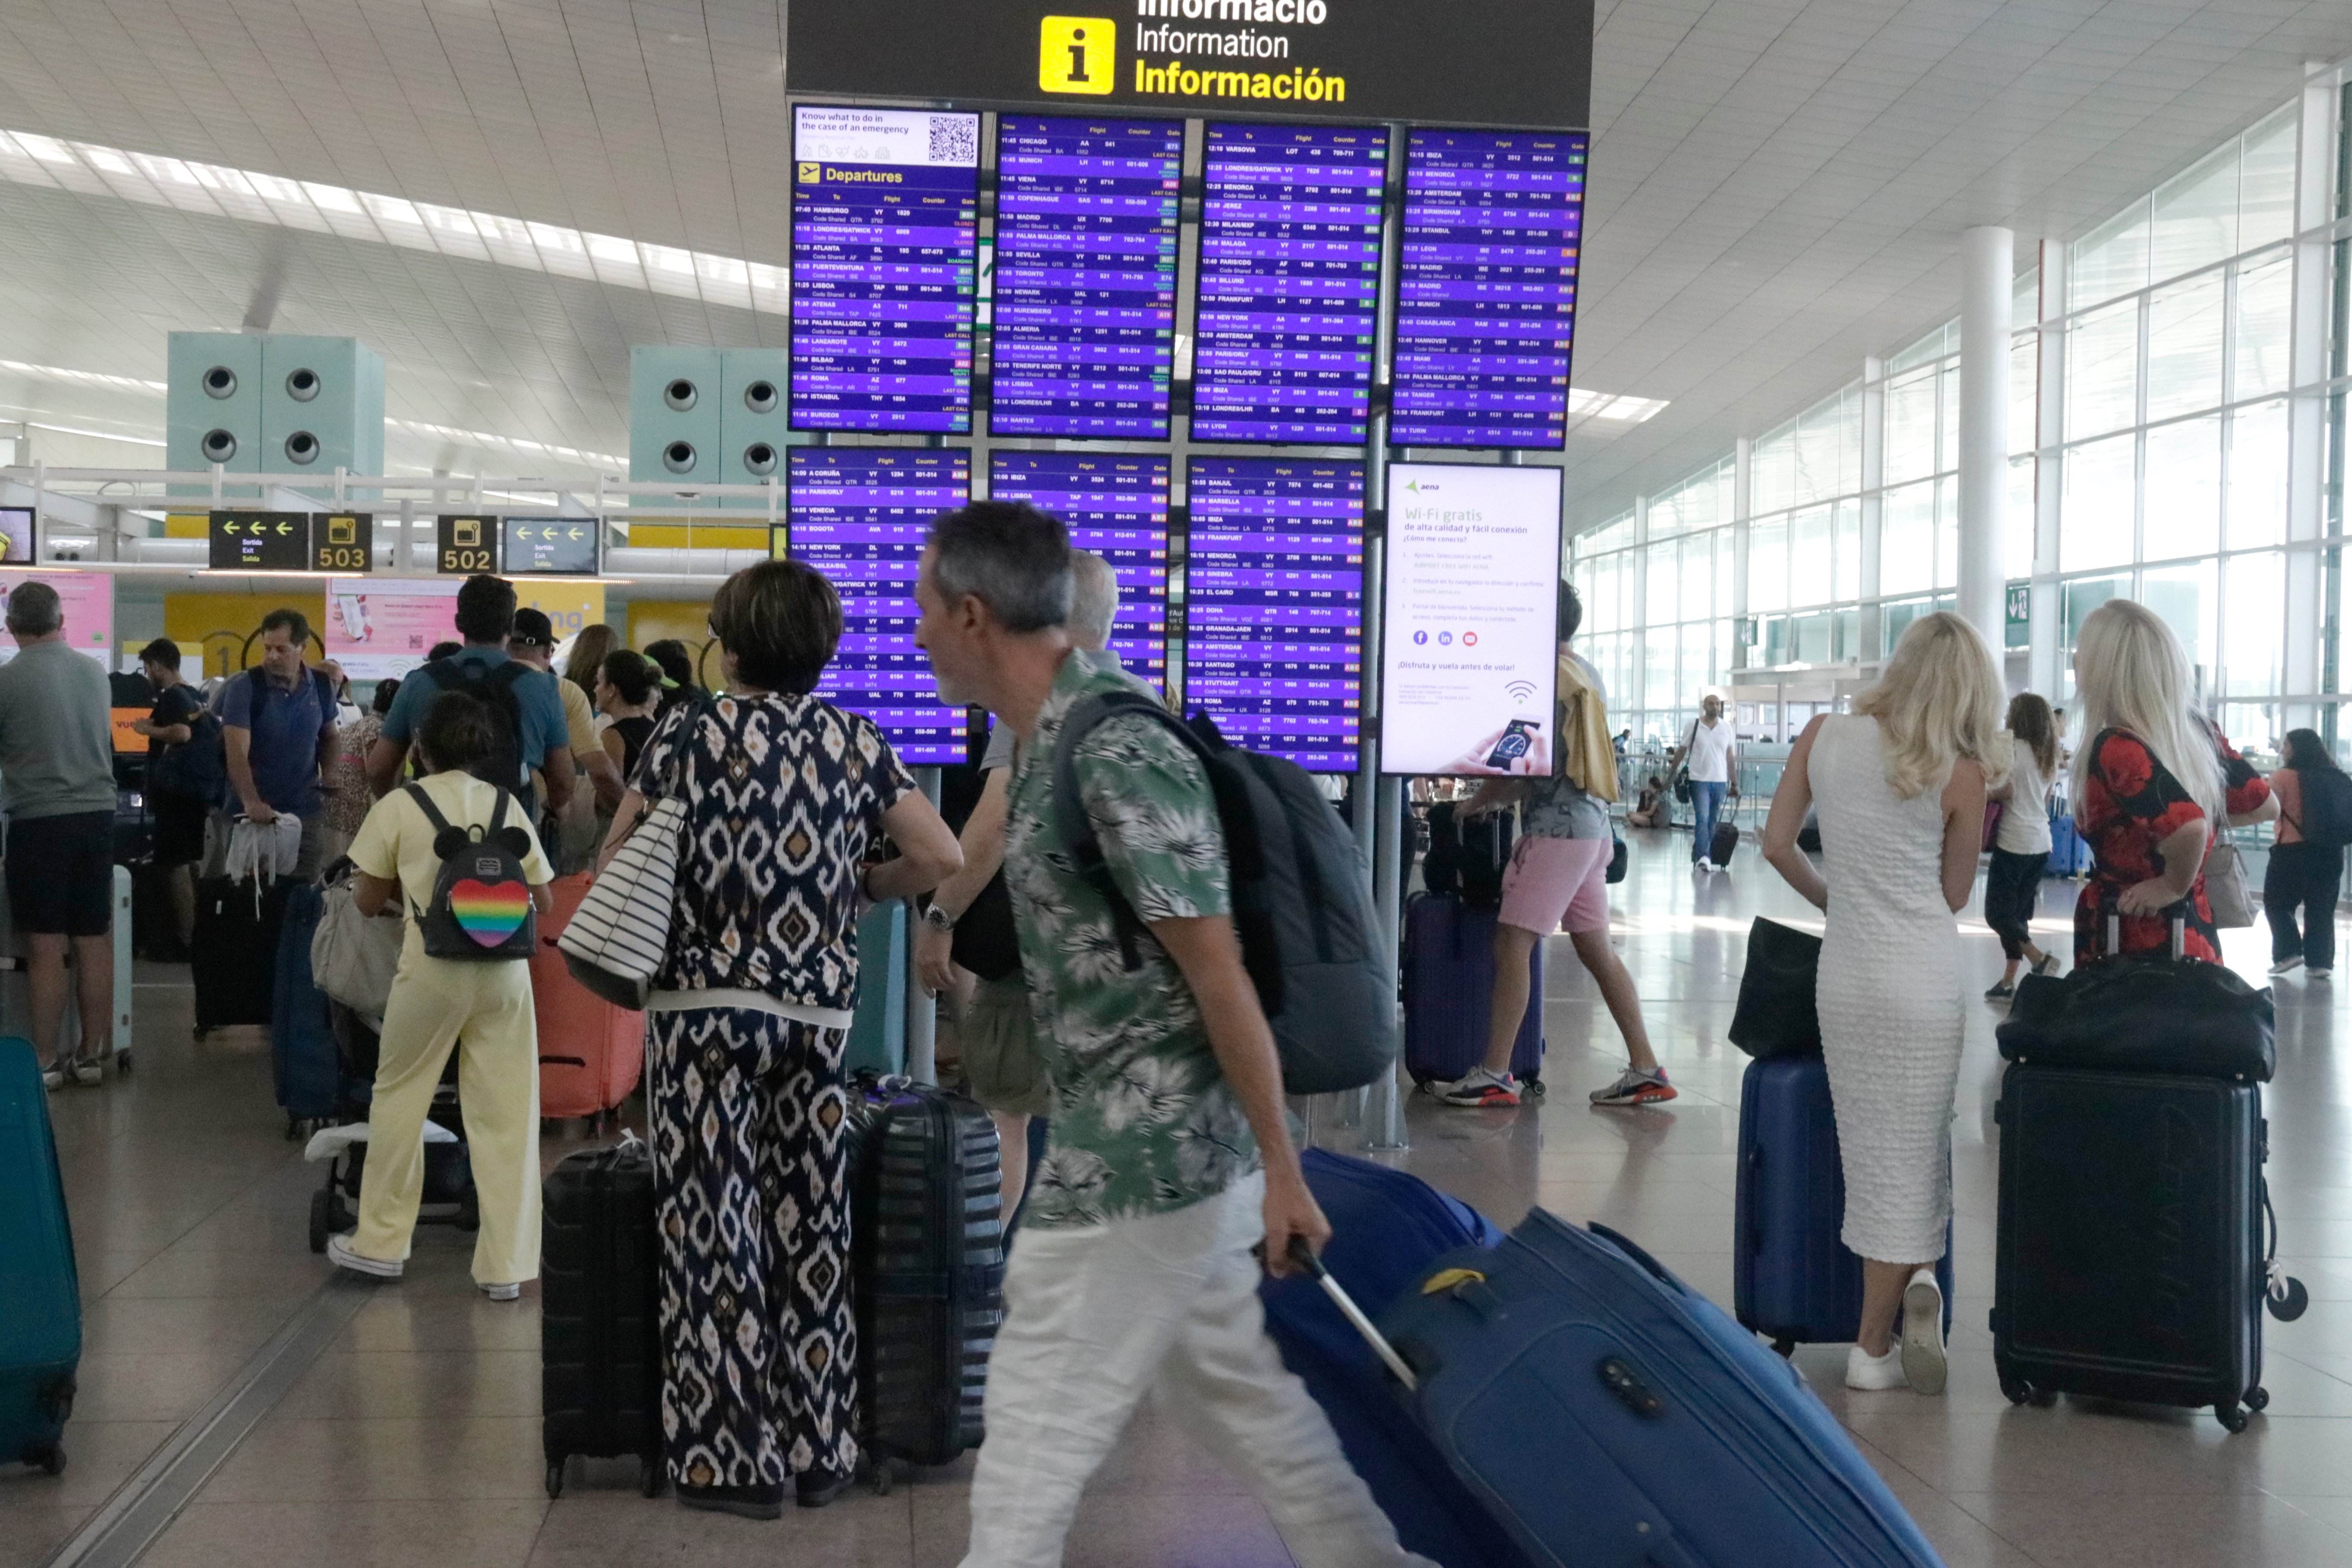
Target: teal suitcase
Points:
(40, 1299)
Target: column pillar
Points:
(1743, 498)
(1988, 265)
(2046, 636)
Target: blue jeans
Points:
(1707, 803)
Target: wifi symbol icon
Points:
(1521, 691)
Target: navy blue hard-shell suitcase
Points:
(1611, 1417)
(1387, 1227)
(301, 1033)
(1449, 973)
(1792, 1280)
(40, 1300)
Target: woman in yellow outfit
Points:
(438, 1003)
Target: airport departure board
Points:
(885, 233)
(1116, 505)
(859, 515)
(1486, 288)
(1289, 283)
(1274, 604)
(1085, 287)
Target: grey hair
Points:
(1093, 600)
(1010, 557)
(34, 610)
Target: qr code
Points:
(955, 139)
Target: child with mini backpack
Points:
(462, 855)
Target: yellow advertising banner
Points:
(570, 602)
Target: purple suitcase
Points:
(1449, 972)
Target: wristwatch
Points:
(937, 919)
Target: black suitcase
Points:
(926, 1268)
(2131, 1261)
(1468, 858)
(1727, 839)
(600, 1331)
(233, 957)
(154, 925)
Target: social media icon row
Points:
(1445, 639)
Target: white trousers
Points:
(1098, 1316)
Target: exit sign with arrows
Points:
(261, 540)
(549, 546)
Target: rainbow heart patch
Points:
(489, 912)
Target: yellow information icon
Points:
(812, 174)
(1076, 54)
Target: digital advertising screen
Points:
(886, 232)
(1289, 294)
(1469, 656)
(1116, 505)
(859, 515)
(383, 626)
(1085, 288)
(553, 546)
(16, 535)
(1486, 288)
(1273, 605)
(87, 599)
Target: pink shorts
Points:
(1557, 884)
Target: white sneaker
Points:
(1871, 1373)
(1923, 1333)
(53, 1078)
(2288, 966)
(340, 1253)
(1705, 864)
(90, 1075)
(2316, 973)
(506, 1293)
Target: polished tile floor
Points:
(414, 1438)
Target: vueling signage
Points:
(1464, 62)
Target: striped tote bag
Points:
(614, 942)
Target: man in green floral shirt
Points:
(1134, 1273)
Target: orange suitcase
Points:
(591, 1053)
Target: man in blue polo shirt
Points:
(277, 726)
(525, 697)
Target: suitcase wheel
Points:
(656, 1480)
(1784, 1349)
(122, 1061)
(555, 1478)
(2258, 1399)
(50, 1458)
(2232, 1418)
(322, 1218)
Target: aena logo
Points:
(1075, 54)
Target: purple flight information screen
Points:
(1273, 605)
(1116, 506)
(859, 515)
(1289, 284)
(1085, 335)
(886, 240)
(1486, 288)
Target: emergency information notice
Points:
(1085, 287)
(1116, 506)
(1274, 604)
(1289, 283)
(859, 515)
(1469, 659)
(1486, 288)
(886, 226)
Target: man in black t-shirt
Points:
(177, 772)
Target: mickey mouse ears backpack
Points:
(480, 907)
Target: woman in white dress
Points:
(1900, 787)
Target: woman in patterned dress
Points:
(2150, 780)
(787, 798)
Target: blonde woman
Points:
(2150, 780)
(1900, 787)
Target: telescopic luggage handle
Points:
(1302, 1256)
(2115, 927)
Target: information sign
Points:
(1274, 604)
(16, 535)
(1116, 505)
(859, 514)
(465, 543)
(1085, 293)
(1289, 283)
(1469, 659)
(383, 626)
(86, 600)
(555, 546)
(1486, 288)
(260, 540)
(341, 541)
(886, 224)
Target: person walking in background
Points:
(1559, 880)
(628, 691)
(533, 739)
(1002, 1065)
(787, 800)
(57, 779)
(348, 793)
(1900, 786)
(1706, 756)
(570, 833)
(2020, 848)
(278, 724)
(186, 775)
(2152, 782)
(480, 1010)
(2301, 883)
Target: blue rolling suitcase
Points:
(1386, 1228)
(302, 1033)
(2069, 856)
(40, 1299)
(1611, 1417)
(1792, 1280)
(1449, 973)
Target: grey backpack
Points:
(1299, 902)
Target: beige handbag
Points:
(354, 956)
(2226, 892)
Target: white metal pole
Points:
(1988, 264)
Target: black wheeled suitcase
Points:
(1725, 841)
(233, 957)
(926, 1268)
(600, 1333)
